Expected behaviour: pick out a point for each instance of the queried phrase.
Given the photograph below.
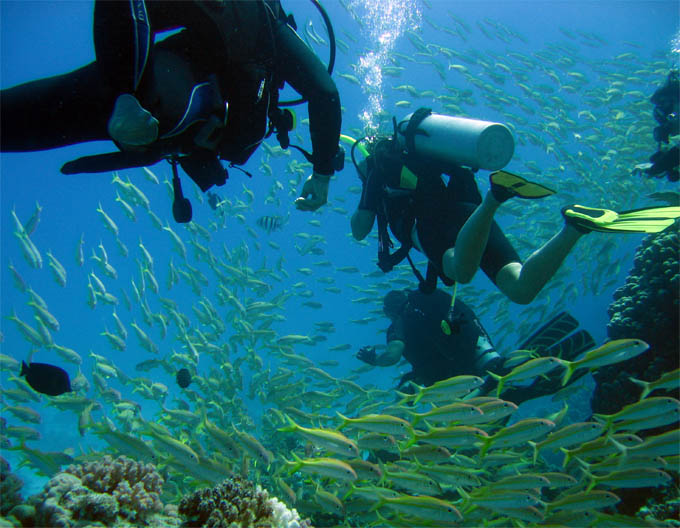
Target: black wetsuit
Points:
(75, 107)
(433, 355)
(443, 209)
(439, 209)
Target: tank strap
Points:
(412, 127)
(142, 38)
(387, 260)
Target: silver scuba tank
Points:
(461, 141)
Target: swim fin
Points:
(550, 333)
(505, 185)
(645, 220)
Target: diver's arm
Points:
(364, 217)
(392, 354)
(303, 70)
(390, 357)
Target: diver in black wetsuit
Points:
(204, 94)
(415, 335)
(666, 100)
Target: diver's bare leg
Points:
(462, 264)
(522, 282)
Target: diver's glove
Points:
(367, 354)
(314, 192)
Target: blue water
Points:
(45, 38)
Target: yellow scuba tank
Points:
(459, 141)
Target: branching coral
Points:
(100, 491)
(237, 503)
(135, 486)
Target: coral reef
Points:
(664, 508)
(646, 307)
(10, 488)
(103, 491)
(237, 503)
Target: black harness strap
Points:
(387, 260)
(412, 128)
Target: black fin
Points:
(573, 345)
(551, 332)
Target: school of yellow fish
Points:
(441, 456)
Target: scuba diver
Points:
(666, 100)
(414, 335)
(207, 93)
(449, 222)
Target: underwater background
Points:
(572, 79)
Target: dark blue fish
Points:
(46, 379)
(183, 377)
(270, 223)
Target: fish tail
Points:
(486, 444)
(281, 416)
(291, 427)
(593, 480)
(344, 419)
(379, 504)
(296, 464)
(604, 420)
(352, 489)
(466, 499)
(622, 448)
(383, 472)
(405, 398)
(568, 372)
(500, 381)
(412, 440)
(567, 457)
(534, 446)
(645, 387)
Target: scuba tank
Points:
(456, 140)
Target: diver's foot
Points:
(130, 124)
(587, 219)
(506, 185)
